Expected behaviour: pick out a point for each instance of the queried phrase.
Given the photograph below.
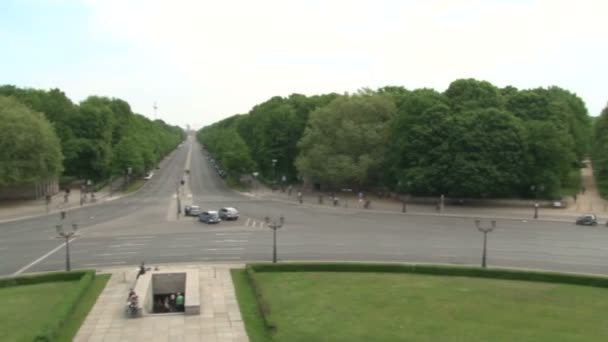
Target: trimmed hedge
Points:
(263, 305)
(67, 306)
(444, 270)
(42, 278)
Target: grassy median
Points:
(326, 306)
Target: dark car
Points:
(192, 210)
(587, 220)
(211, 216)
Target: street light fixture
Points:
(67, 236)
(485, 231)
(274, 225)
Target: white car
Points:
(149, 175)
(229, 213)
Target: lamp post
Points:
(67, 236)
(274, 225)
(485, 231)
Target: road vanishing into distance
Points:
(144, 226)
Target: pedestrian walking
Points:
(583, 189)
(300, 196)
(179, 301)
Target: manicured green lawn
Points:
(327, 306)
(84, 306)
(25, 309)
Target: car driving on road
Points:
(210, 216)
(192, 210)
(587, 220)
(229, 213)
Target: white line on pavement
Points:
(228, 241)
(26, 267)
(232, 233)
(223, 249)
(221, 258)
(136, 237)
(115, 253)
(180, 246)
(127, 245)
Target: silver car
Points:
(229, 213)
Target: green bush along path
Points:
(325, 306)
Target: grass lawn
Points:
(84, 306)
(324, 306)
(27, 308)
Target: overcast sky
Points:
(202, 61)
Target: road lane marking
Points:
(228, 241)
(181, 246)
(115, 253)
(51, 252)
(223, 249)
(221, 234)
(127, 245)
(136, 237)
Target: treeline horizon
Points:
(43, 134)
(472, 140)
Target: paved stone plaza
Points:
(219, 319)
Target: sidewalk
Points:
(22, 209)
(591, 202)
(219, 320)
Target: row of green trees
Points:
(600, 152)
(473, 140)
(98, 138)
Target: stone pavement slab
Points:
(219, 320)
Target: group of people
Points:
(133, 303)
(173, 302)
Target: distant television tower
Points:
(155, 107)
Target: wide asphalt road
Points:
(145, 227)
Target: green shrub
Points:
(262, 303)
(458, 271)
(70, 300)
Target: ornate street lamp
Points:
(274, 225)
(67, 236)
(485, 231)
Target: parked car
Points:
(149, 175)
(229, 213)
(587, 220)
(211, 216)
(192, 210)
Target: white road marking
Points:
(115, 253)
(136, 237)
(127, 245)
(228, 241)
(223, 249)
(232, 233)
(181, 246)
(26, 267)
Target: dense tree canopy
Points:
(344, 143)
(100, 137)
(29, 148)
(474, 139)
(600, 151)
